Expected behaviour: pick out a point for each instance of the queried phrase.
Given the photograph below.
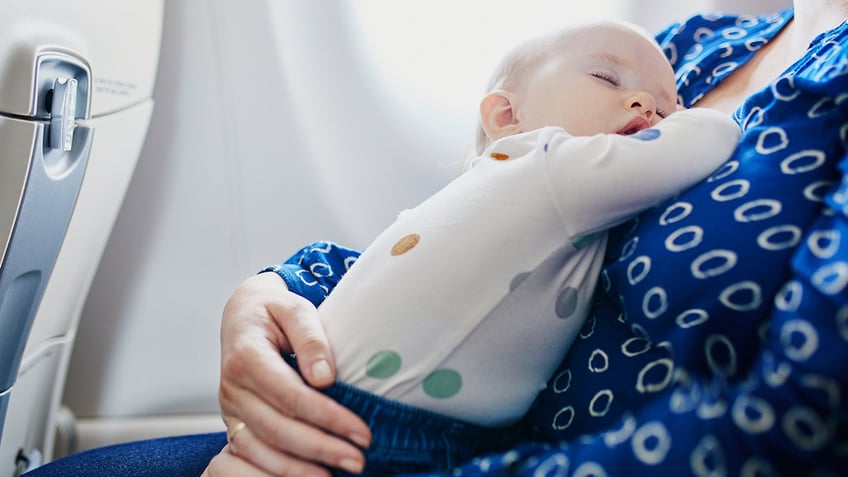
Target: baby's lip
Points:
(635, 125)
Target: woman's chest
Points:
(705, 266)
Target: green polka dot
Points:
(579, 242)
(383, 365)
(442, 383)
(566, 302)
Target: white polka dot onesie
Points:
(465, 305)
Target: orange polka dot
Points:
(499, 156)
(405, 244)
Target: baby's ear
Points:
(498, 115)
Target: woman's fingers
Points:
(301, 423)
(294, 421)
(246, 446)
(311, 434)
(258, 372)
(229, 463)
(298, 319)
(263, 305)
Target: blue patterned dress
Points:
(719, 341)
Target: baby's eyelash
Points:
(613, 80)
(607, 77)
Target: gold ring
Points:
(235, 430)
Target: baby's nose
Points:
(645, 103)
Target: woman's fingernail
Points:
(321, 371)
(360, 440)
(351, 465)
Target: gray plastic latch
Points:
(63, 113)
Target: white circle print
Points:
(601, 403)
(742, 296)
(598, 361)
(824, 243)
(707, 459)
(805, 428)
(772, 140)
(803, 161)
(731, 190)
(563, 418)
(799, 340)
(638, 269)
(562, 382)
(831, 278)
(720, 354)
(753, 415)
(725, 170)
(646, 384)
(757, 467)
(757, 210)
(779, 237)
(684, 238)
(651, 443)
(654, 303)
(789, 297)
(691, 317)
(713, 263)
(675, 213)
(555, 465)
(590, 469)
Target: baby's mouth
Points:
(635, 125)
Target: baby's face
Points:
(615, 80)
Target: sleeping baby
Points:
(454, 318)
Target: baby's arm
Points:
(610, 178)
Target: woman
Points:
(758, 335)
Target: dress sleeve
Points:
(315, 269)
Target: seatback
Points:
(77, 82)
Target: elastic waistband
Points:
(395, 425)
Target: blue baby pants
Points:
(408, 440)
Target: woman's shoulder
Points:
(705, 49)
(825, 64)
(702, 31)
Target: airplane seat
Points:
(77, 80)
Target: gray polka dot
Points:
(566, 302)
(516, 281)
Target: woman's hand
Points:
(289, 427)
(226, 464)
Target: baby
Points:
(454, 318)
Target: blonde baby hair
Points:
(531, 54)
